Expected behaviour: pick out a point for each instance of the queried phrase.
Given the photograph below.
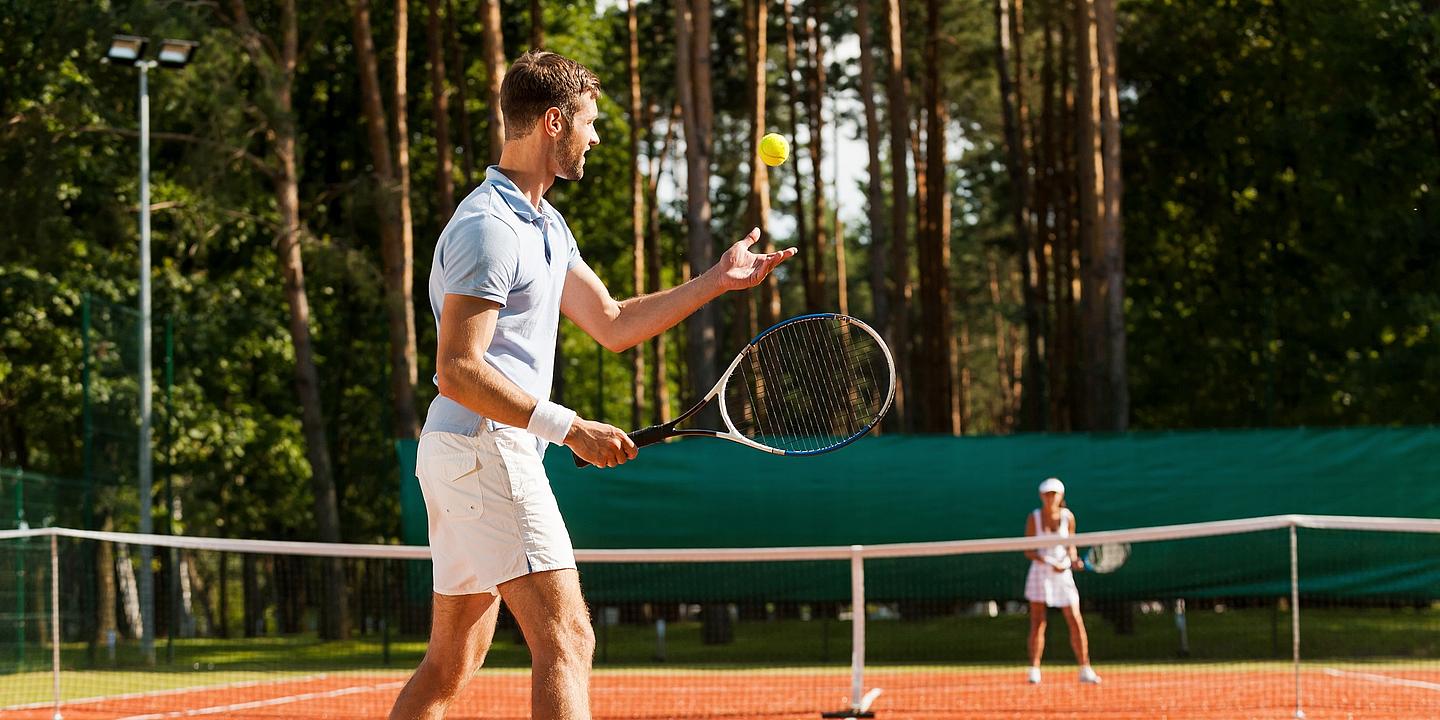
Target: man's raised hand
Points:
(739, 268)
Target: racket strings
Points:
(810, 385)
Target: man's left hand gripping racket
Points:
(806, 386)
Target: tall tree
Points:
(276, 64)
(1052, 205)
(537, 25)
(637, 205)
(492, 49)
(1106, 403)
(1089, 171)
(796, 101)
(758, 205)
(897, 94)
(817, 85)
(874, 187)
(1069, 223)
(1109, 255)
(392, 181)
(939, 363)
(440, 108)
(692, 68)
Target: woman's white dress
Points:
(1043, 584)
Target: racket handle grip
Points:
(641, 438)
(650, 435)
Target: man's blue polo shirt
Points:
(499, 247)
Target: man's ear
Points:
(553, 122)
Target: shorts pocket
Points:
(454, 480)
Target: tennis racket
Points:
(1106, 558)
(1098, 559)
(808, 385)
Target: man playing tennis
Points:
(505, 267)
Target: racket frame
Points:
(734, 435)
(657, 433)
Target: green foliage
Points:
(1281, 218)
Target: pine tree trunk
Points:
(875, 191)
(758, 207)
(1072, 415)
(401, 272)
(396, 245)
(537, 25)
(440, 108)
(1109, 256)
(105, 595)
(900, 291)
(492, 44)
(938, 340)
(817, 86)
(692, 28)
(1049, 212)
(637, 209)
(1090, 166)
(1067, 229)
(802, 224)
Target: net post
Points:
(55, 621)
(1295, 615)
(859, 706)
(857, 625)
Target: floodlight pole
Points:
(146, 579)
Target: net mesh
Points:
(763, 633)
(810, 385)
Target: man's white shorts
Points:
(492, 515)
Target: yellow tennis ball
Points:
(774, 149)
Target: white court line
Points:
(172, 691)
(265, 703)
(1385, 679)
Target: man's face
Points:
(576, 140)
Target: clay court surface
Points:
(1217, 693)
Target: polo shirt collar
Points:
(514, 198)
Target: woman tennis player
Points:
(1051, 583)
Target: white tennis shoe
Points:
(1088, 676)
(1033, 676)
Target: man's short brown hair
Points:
(538, 81)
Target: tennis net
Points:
(1261, 617)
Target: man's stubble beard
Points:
(570, 156)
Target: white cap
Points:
(1052, 485)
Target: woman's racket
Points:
(1106, 558)
(806, 386)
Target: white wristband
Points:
(551, 422)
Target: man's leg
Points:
(461, 628)
(552, 614)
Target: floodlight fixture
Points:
(127, 49)
(176, 53)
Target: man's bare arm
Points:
(467, 326)
(622, 325)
